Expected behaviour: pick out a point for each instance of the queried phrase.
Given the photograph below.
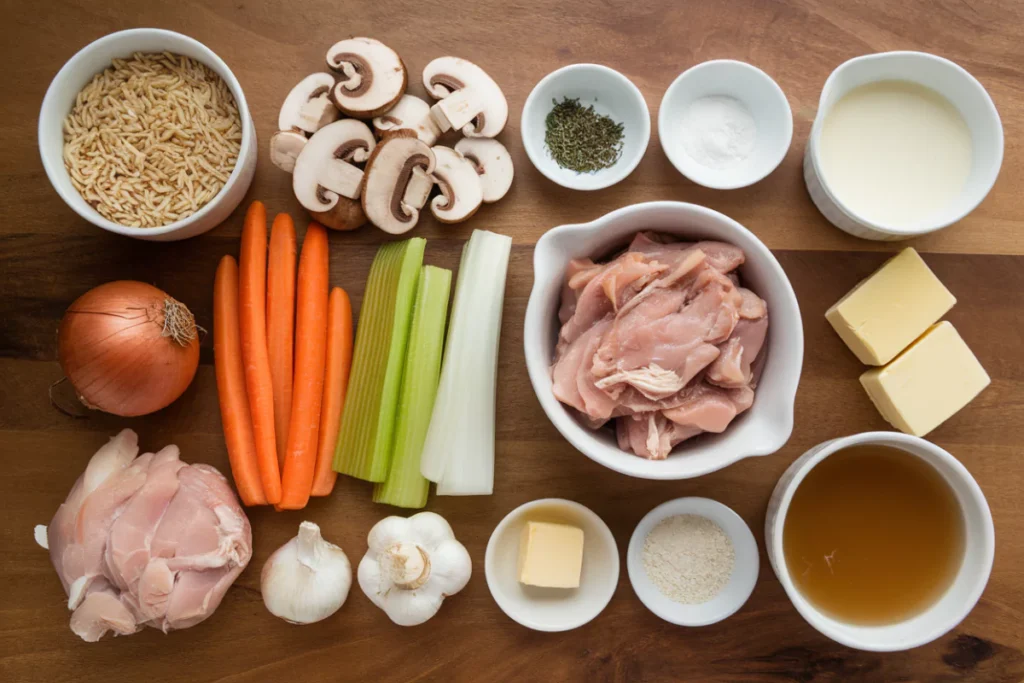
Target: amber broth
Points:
(874, 535)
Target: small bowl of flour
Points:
(692, 561)
(725, 124)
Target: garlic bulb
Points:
(412, 565)
(307, 579)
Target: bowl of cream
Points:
(903, 144)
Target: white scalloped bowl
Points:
(762, 430)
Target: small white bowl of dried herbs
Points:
(585, 126)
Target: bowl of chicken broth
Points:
(681, 403)
(882, 541)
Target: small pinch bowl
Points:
(733, 595)
(751, 86)
(761, 430)
(611, 94)
(552, 609)
(76, 74)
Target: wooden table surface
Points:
(49, 256)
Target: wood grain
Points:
(48, 256)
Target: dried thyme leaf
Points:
(580, 139)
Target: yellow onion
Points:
(128, 348)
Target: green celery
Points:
(368, 420)
(405, 486)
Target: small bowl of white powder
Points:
(725, 124)
(692, 561)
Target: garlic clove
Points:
(387, 532)
(430, 529)
(451, 567)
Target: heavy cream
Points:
(895, 152)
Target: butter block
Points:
(928, 383)
(885, 313)
(550, 555)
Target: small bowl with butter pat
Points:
(552, 564)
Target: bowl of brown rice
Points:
(147, 133)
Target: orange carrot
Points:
(310, 362)
(281, 323)
(339, 360)
(252, 296)
(234, 403)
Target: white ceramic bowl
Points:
(759, 431)
(611, 94)
(552, 609)
(741, 582)
(952, 82)
(958, 600)
(761, 95)
(94, 58)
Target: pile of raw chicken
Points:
(146, 540)
(663, 339)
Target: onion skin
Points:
(121, 353)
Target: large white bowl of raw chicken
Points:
(663, 340)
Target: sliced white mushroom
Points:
(371, 77)
(398, 181)
(410, 112)
(461, 191)
(470, 99)
(493, 164)
(325, 170)
(285, 147)
(308, 106)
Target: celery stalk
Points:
(405, 486)
(458, 452)
(368, 420)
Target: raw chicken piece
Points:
(651, 435)
(709, 408)
(146, 541)
(732, 368)
(602, 293)
(721, 256)
(663, 339)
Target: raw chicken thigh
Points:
(662, 339)
(146, 541)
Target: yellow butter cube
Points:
(550, 555)
(928, 383)
(885, 313)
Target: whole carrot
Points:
(252, 295)
(234, 402)
(310, 361)
(281, 323)
(339, 360)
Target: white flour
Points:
(718, 131)
(689, 558)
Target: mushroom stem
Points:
(418, 189)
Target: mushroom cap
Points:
(285, 147)
(324, 170)
(461, 190)
(477, 105)
(347, 214)
(397, 182)
(371, 77)
(492, 162)
(409, 112)
(308, 106)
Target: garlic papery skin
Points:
(307, 579)
(412, 565)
